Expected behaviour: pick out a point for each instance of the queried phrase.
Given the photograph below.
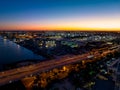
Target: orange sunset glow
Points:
(89, 24)
(61, 15)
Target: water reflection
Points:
(5, 40)
(18, 46)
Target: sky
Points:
(59, 14)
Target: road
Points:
(18, 73)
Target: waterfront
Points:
(85, 62)
(11, 52)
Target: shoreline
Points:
(22, 62)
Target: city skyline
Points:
(60, 15)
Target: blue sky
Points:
(55, 11)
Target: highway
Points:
(18, 73)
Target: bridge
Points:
(18, 73)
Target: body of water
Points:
(11, 52)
